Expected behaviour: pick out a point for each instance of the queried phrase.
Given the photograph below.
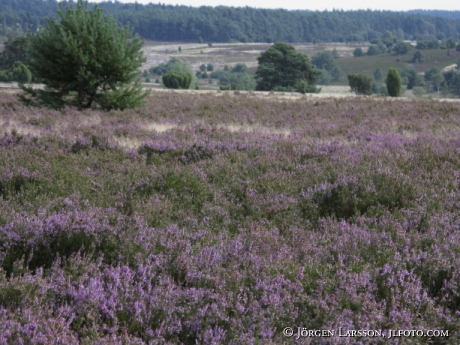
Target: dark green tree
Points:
(202, 67)
(450, 43)
(20, 73)
(431, 72)
(378, 75)
(210, 67)
(323, 60)
(394, 82)
(358, 52)
(360, 84)
(418, 57)
(413, 78)
(388, 39)
(15, 49)
(336, 73)
(84, 60)
(177, 80)
(282, 66)
(239, 68)
(335, 53)
(324, 78)
(452, 79)
(402, 48)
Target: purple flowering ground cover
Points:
(222, 220)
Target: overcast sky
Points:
(393, 5)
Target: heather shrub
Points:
(248, 217)
(39, 242)
(349, 198)
(19, 183)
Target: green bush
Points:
(358, 52)
(360, 84)
(177, 80)
(378, 74)
(394, 82)
(418, 57)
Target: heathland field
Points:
(221, 54)
(199, 219)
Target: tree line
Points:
(244, 24)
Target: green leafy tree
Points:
(85, 60)
(418, 57)
(209, 67)
(378, 75)
(177, 80)
(394, 82)
(360, 84)
(402, 48)
(282, 66)
(452, 79)
(413, 78)
(336, 73)
(324, 78)
(436, 81)
(358, 52)
(239, 68)
(371, 51)
(431, 72)
(450, 43)
(324, 60)
(202, 67)
(15, 49)
(335, 53)
(388, 39)
(20, 73)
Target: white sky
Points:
(393, 5)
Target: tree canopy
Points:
(281, 67)
(85, 60)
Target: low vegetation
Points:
(224, 219)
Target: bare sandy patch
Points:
(8, 126)
(450, 67)
(158, 127)
(129, 143)
(254, 128)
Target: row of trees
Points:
(281, 68)
(245, 24)
(433, 80)
(362, 85)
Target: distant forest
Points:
(244, 24)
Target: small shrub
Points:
(177, 80)
(360, 84)
(394, 82)
(358, 52)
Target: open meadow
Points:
(225, 218)
(221, 54)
